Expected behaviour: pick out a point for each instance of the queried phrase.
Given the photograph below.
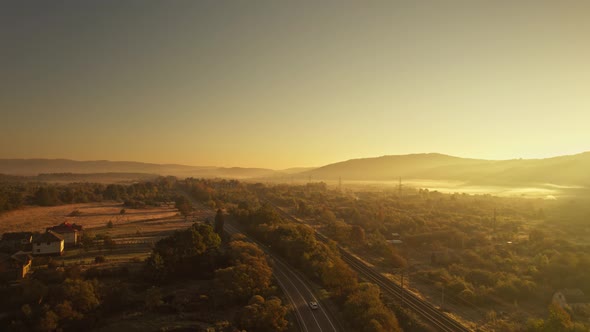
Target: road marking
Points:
(301, 295)
(321, 307)
(298, 313)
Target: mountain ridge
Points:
(560, 170)
(438, 166)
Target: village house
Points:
(71, 233)
(16, 241)
(48, 243)
(570, 299)
(14, 267)
(395, 239)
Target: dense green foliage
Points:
(14, 194)
(486, 251)
(190, 252)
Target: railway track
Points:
(425, 309)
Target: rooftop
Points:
(49, 236)
(16, 236)
(65, 227)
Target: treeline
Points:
(14, 195)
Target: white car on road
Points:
(313, 305)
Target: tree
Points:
(156, 269)
(49, 321)
(357, 235)
(184, 206)
(47, 196)
(263, 315)
(153, 298)
(249, 275)
(219, 222)
(87, 240)
(65, 311)
(178, 250)
(339, 278)
(537, 236)
(108, 242)
(82, 294)
(558, 320)
(367, 312)
(242, 281)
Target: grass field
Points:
(92, 215)
(134, 232)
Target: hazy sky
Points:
(290, 83)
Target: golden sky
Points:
(286, 83)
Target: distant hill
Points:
(34, 167)
(573, 170)
(295, 170)
(565, 170)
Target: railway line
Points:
(435, 317)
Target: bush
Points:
(99, 259)
(75, 213)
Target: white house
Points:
(48, 243)
(70, 232)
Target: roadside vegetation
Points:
(500, 258)
(191, 276)
(360, 303)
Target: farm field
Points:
(133, 232)
(92, 215)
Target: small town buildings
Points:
(14, 267)
(48, 243)
(395, 240)
(71, 233)
(570, 299)
(16, 241)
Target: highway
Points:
(297, 290)
(295, 287)
(423, 308)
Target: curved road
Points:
(297, 291)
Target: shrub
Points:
(75, 213)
